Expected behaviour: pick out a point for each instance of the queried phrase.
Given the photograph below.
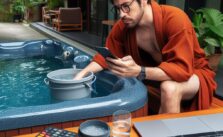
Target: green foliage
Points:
(22, 7)
(54, 4)
(31, 3)
(1, 7)
(208, 24)
(5, 14)
(18, 7)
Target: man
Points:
(158, 44)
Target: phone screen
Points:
(105, 52)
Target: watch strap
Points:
(142, 74)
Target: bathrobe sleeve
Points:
(177, 53)
(114, 43)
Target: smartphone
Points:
(105, 52)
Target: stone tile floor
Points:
(12, 32)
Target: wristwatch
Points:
(142, 74)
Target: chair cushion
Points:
(70, 15)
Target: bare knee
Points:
(169, 89)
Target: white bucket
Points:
(64, 87)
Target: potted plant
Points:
(208, 24)
(18, 10)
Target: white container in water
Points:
(81, 61)
(64, 87)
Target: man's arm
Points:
(92, 67)
(157, 74)
(127, 67)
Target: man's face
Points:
(130, 11)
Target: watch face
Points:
(141, 77)
(142, 74)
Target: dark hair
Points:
(148, 1)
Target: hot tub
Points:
(123, 93)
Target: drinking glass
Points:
(121, 123)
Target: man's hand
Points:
(92, 67)
(80, 75)
(125, 66)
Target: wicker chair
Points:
(68, 19)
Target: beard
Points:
(133, 22)
(129, 23)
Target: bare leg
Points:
(173, 92)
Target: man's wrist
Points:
(142, 74)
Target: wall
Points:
(194, 4)
(187, 5)
(216, 4)
(178, 3)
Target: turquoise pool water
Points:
(22, 81)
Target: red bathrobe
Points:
(181, 54)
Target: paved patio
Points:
(14, 32)
(11, 32)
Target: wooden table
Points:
(153, 117)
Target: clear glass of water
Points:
(121, 123)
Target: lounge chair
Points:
(68, 19)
